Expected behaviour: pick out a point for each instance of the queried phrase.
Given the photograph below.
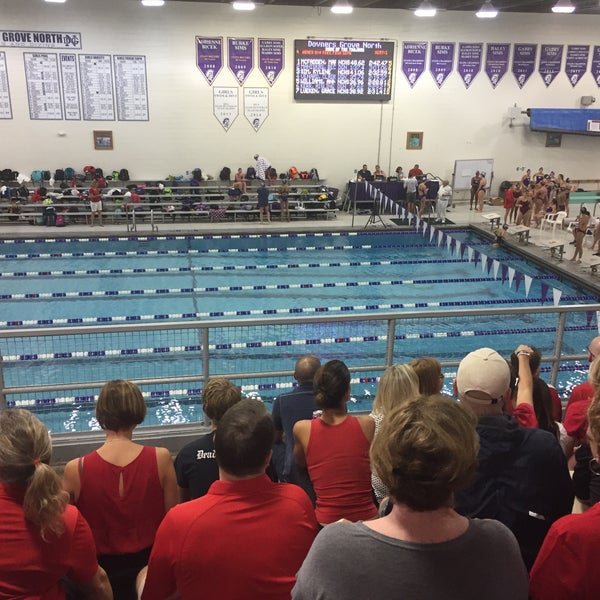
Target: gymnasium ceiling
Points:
(518, 6)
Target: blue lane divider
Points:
(155, 397)
(366, 263)
(122, 352)
(281, 311)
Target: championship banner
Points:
(441, 61)
(413, 60)
(271, 58)
(576, 63)
(240, 57)
(225, 105)
(550, 62)
(595, 69)
(256, 106)
(523, 62)
(209, 56)
(496, 62)
(469, 62)
(40, 39)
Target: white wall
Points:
(336, 138)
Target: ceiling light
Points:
(57, 1)
(153, 2)
(563, 6)
(342, 7)
(244, 5)
(425, 10)
(487, 11)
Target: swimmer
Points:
(499, 233)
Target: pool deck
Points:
(538, 246)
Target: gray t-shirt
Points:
(350, 561)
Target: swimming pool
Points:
(198, 278)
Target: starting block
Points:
(493, 219)
(593, 264)
(555, 247)
(522, 231)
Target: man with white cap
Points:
(522, 478)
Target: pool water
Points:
(153, 279)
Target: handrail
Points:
(393, 320)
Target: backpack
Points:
(314, 174)
(59, 175)
(197, 174)
(123, 175)
(60, 220)
(46, 175)
(69, 173)
(98, 173)
(115, 175)
(293, 173)
(23, 192)
(88, 169)
(36, 176)
(225, 174)
(272, 173)
(6, 175)
(250, 173)
(303, 174)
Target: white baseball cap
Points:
(483, 377)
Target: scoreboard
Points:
(342, 70)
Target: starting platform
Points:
(522, 231)
(556, 247)
(493, 219)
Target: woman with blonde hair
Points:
(42, 538)
(123, 489)
(398, 384)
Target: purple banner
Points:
(496, 62)
(441, 61)
(596, 65)
(240, 57)
(209, 56)
(576, 63)
(413, 60)
(469, 62)
(550, 62)
(523, 63)
(271, 54)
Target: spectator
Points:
(123, 489)
(586, 480)
(474, 189)
(398, 384)
(262, 164)
(378, 173)
(195, 464)
(42, 538)
(575, 420)
(444, 197)
(290, 408)
(565, 567)
(247, 537)
(429, 372)
(522, 478)
(426, 452)
(335, 448)
(240, 181)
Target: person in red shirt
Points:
(247, 537)
(123, 489)
(575, 420)
(415, 171)
(565, 567)
(95, 204)
(43, 540)
(335, 449)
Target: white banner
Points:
(256, 106)
(39, 39)
(225, 105)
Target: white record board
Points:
(465, 169)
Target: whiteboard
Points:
(465, 169)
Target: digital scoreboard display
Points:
(342, 70)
